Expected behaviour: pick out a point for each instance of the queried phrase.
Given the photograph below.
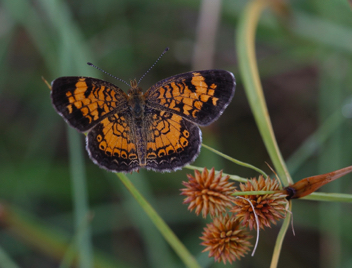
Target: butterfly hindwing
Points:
(172, 141)
(111, 144)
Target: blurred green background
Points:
(304, 58)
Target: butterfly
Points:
(157, 129)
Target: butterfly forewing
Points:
(85, 101)
(199, 96)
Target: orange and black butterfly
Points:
(157, 130)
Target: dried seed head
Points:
(208, 193)
(269, 208)
(225, 239)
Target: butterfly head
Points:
(134, 89)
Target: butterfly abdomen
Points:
(136, 105)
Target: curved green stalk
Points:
(245, 40)
(164, 229)
(280, 238)
(232, 177)
(6, 261)
(235, 160)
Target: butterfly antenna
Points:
(162, 54)
(91, 64)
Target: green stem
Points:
(232, 177)
(80, 196)
(330, 197)
(280, 239)
(6, 261)
(47, 240)
(245, 40)
(254, 193)
(165, 230)
(235, 160)
(249, 71)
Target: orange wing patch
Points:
(94, 101)
(204, 91)
(198, 96)
(116, 139)
(171, 141)
(112, 139)
(84, 101)
(165, 136)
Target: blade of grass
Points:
(67, 55)
(330, 197)
(322, 31)
(70, 253)
(6, 261)
(249, 71)
(308, 26)
(80, 196)
(165, 230)
(280, 239)
(331, 76)
(245, 40)
(70, 40)
(158, 254)
(72, 53)
(26, 15)
(52, 242)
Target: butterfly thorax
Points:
(136, 100)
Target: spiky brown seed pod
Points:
(225, 239)
(269, 208)
(208, 193)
